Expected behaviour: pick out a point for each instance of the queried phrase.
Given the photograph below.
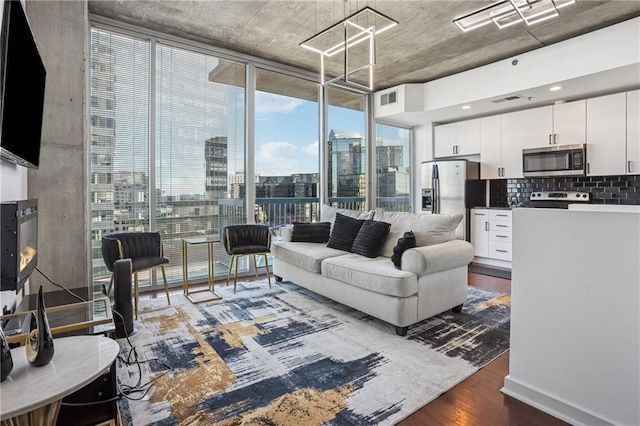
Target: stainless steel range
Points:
(558, 199)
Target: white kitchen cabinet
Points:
(490, 147)
(570, 123)
(633, 133)
(454, 139)
(501, 143)
(491, 233)
(500, 234)
(538, 126)
(606, 135)
(513, 140)
(560, 124)
(480, 232)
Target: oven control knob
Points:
(584, 195)
(578, 195)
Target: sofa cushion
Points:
(377, 275)
(307, 256)
(428, 229)
(345, 229)
(311, 232)
(371, 238)
(328, 213)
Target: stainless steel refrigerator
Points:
(453, 186)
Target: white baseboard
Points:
(550, 405)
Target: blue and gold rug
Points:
(287, 356)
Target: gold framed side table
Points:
(193, 241)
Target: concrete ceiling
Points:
(423, 47)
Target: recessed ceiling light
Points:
(555, 88)
(466, 107)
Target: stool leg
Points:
(166, 286)
(266, 265)
(255, 266)
(230, 268)
(135, 291)
(235, 277)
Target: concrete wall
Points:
(61, 32)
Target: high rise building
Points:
(347, 164)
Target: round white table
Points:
(32, 395)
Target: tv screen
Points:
(22, 84)
(19, 242)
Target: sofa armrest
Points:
(285, 233)
(436, 258)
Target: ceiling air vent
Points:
(507, 99)
(389, 98)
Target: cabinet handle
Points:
(550, 136)
(628, 166)
(502, 236)
(502, 251)
(588, 168)
(555, 139)
(502, 215)
(503, 172)
(501, 226)
(479, 214)
(486, 226)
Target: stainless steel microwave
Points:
(557, 160)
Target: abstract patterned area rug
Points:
(287, 356)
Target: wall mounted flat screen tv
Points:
(22, 84)
(19, 242)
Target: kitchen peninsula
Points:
(575, 319)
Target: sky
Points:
(286, 133)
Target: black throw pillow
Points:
(371, 238)
(345, 230)
(407, 241)
(311, 232)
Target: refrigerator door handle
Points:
(436, 189)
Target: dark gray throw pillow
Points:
(317, 232)
(371, 238)
(345, 230)
(407, 241)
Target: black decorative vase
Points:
(6, 362)
(39, 339)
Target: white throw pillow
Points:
(428, 229)
(328, 213)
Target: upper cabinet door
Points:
(538, 127)
(570, 123)
(513, 133)
(444, 140)
(461, 138)
(633, 133)
(468, 137)
(606, 135)
(490, 147)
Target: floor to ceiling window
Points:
(287, 153)
(119, 138)
(393, 167)
(199, 143)
(169, 147)
(347, 150)
(184, 177)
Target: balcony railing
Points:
(275, 212)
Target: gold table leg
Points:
(210, 276)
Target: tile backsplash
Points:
(604, 189)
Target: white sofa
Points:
(432, 278)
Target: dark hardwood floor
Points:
(478, 400)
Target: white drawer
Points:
(499, 250)
(503, 236)
(500, 215)
(498, 225)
